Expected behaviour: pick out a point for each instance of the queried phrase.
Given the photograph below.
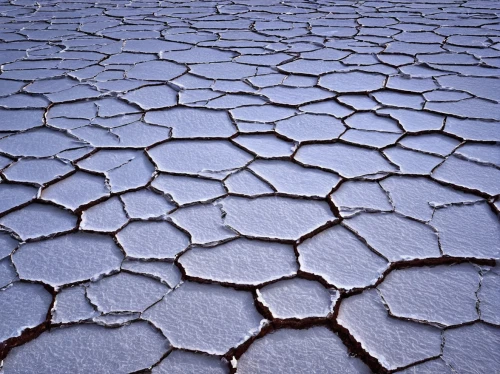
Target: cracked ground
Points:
(249, 186)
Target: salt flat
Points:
(249, 186)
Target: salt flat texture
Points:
(249, 186)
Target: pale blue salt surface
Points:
(207, 166)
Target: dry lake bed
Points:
(249, 187)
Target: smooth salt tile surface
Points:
(264, 60)
(181, 362)
(14, 195)
(310, 127)
(198, 55)
(74, 154)
(39, 220)
(468, 231)
(411, 85)
(145, 204)
(7, 244)
(193, 123)
(24, 306)
(472, 348)
(316, 350)
(394, 236)
(265, 145)
(116, 319)
(309, 67)
(489, 302)
(369, 121)
(297, 298)
(253, 127)
(152, 97)
(96, 136)
(152, 240)
(399, 100)
(105, 160)
(139, 134)
(197, 97)
(86, 109)
(7, 272)
(374, 139)
(445, 95)
(472, 108)
(246, 183)
(41, 142)
(231, 101)
(67, 259)
(82, 347)
(76, 190)
(473, 129)
(480, 153)
(204, 223)
(358, 101)
(4, 161)
(264, 113)
(183, 313)
(412, 120)
(412, 162)
(50, 85)
(39, 171)
(231, 86)
(107, 216)
(433, 366)
(8, 87)
(197, 156)
(136, 173)
(395, 343)
(444, 294)
(347, 160)
(110, 107)
(166, 272)
(185, 190)
(223, 70)
(275, 217)
(267, 80)
(327, 54)
(287, 156)
(341, 259)
(353, 196)
(327, 107)
(294, 96)
(22, 119)
(430, 143)
(155, 70)
(418, 197)
(78, 92)
(72, 305)
(470, 175)
(240, 261)
(486, 88)
(293, 179)
(352, 81)
(125, 292)
(152, 46)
